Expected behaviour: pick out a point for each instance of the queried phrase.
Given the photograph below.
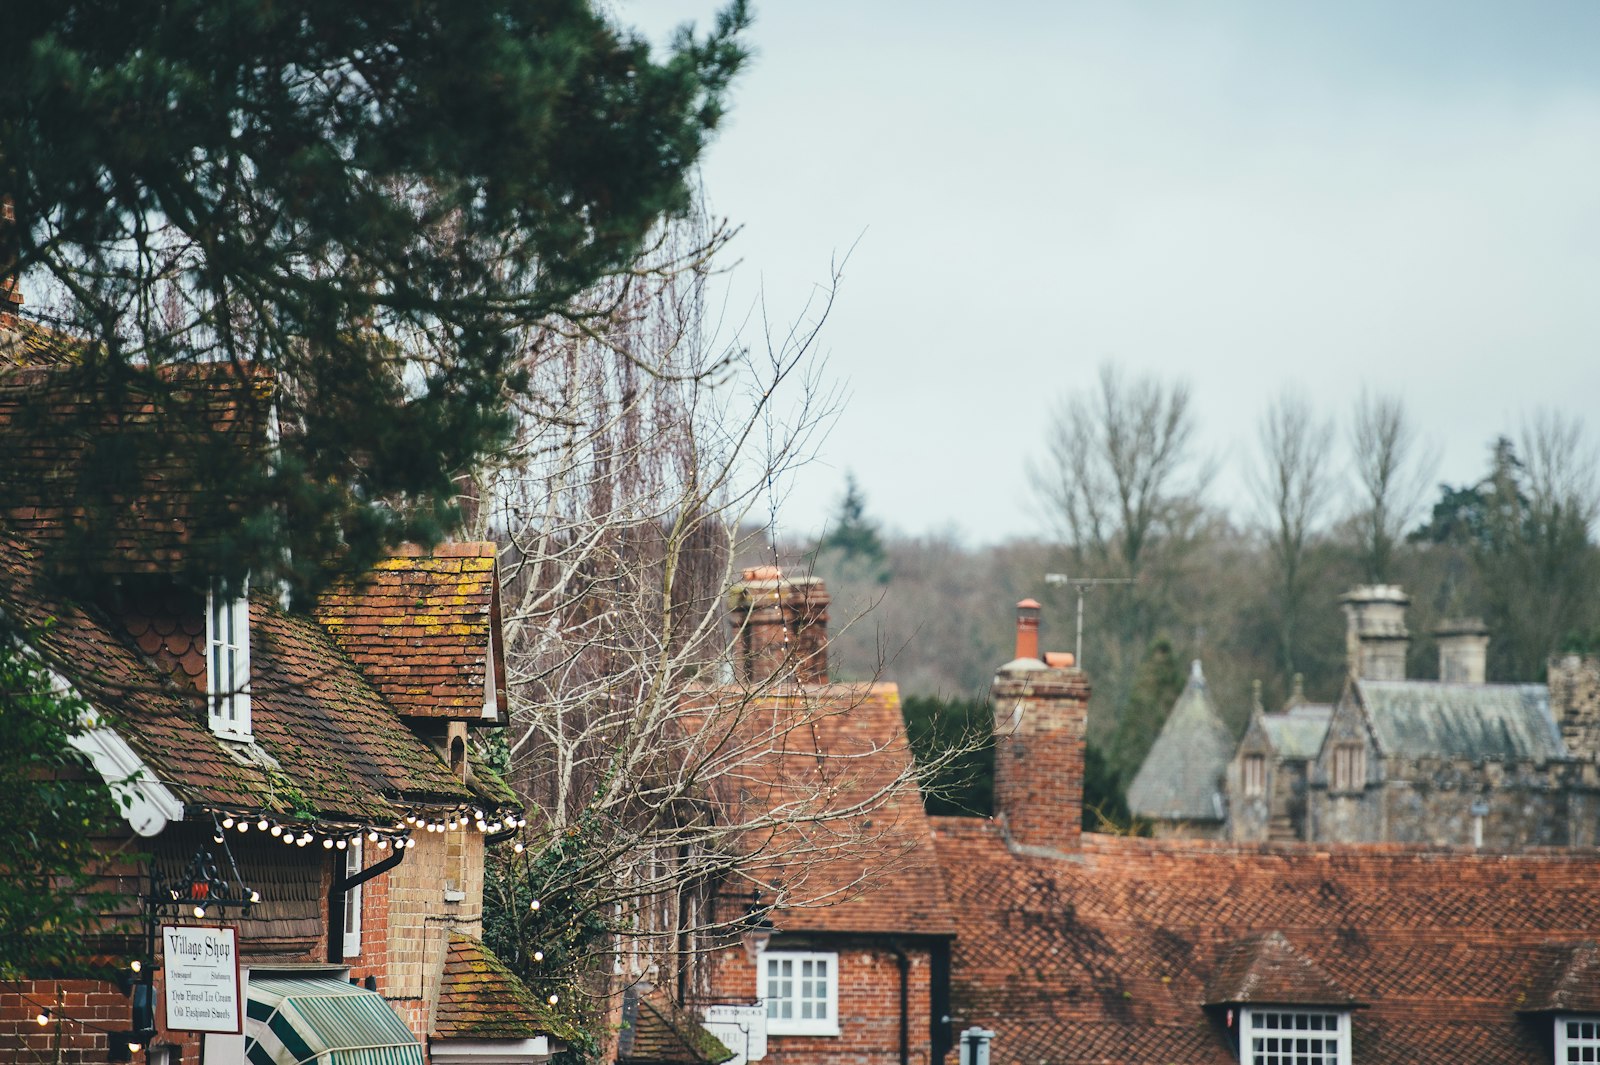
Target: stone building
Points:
(1179, 788)
(1268, 776)
(1448, 761)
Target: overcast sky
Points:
(1246, 196)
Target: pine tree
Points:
(368, 199)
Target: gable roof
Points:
(1566, 980)
(850, 850)
(326, 746)
(479, 998)
(1429, 719)
(655, 1032)
(1181, 777)
(1266, 968)
(1110, 956)
(424, 629)
(1297, 734)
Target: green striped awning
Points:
(295, 1021)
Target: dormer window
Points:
(1294, 1036)
(228, 662)
(1577, 1039)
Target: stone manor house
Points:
(1453, 761)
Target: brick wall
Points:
(869, 1004)
(1040, 714)
(418, 918)
(97, 1004)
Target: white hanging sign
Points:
(742, 1029)
(201, 966)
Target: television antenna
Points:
(1082, 584)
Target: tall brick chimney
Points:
(1040, 711)
(1375, 636)
(1463, 650)
(780, 627)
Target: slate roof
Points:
(479, 998)
(1181, 778)
(422, 629)
(874, 870)
(1428, 719)
(326, 744)
(1297, 734)
(1110, 956)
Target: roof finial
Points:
(1255, 697)
(1195, 673)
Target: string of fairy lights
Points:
(494, 825)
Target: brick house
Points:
(849, 962)
(1079, 948)
(306, 783)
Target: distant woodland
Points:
(1339, 499)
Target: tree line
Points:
(1249, 589)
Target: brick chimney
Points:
(1463, 650)
(780, 627)
(1040, 711)
(1375, 637)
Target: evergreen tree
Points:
(55, 806)
(367, 199)
(850, 532)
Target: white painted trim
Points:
(776, 1026)
(354, 862)
(490, 1051)
(145, 802)
(1341, 1033)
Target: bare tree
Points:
(1121, 472)
(660, 785)
(1125, 486)
(1293, 486)
(1393, 471)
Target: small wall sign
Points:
(202, 979)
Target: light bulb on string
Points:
(135, 965)
(199, 911)
(553, 999)
(372, 836)
(327, 844)
(519, 848)
(277, 830)
(538, 955)
(261, 825)
(255, 896)
(289, 837)
(227, 822)
(534, 905)
(341, 844)
(43, 1018)
(217, 837)
(243, 826)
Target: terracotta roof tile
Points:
(479, 998)
(1567, 980)
(1108, 956)
(421, 628)
(825, 756)
(655, 1032)
(1266, 968)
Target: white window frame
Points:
(796, 977)
(228, 663)
(1571, 1044)
(1253, 775)
(1273, 1027)
(352, 900)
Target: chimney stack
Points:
(1463, 650)
(1028, 629)
(1375, 637)
(1040, 711)
(780, 623)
